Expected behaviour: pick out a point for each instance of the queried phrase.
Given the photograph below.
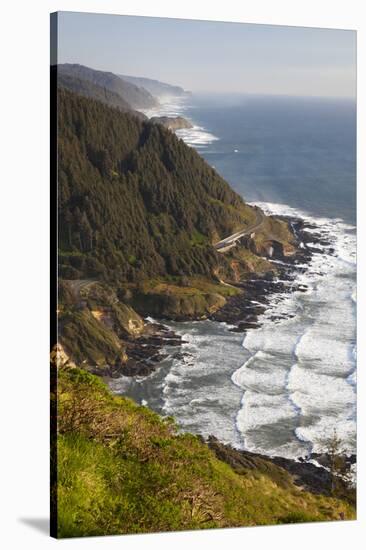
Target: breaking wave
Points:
(197, 136)
(299, 381)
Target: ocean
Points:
(284, 388)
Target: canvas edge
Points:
(53, 273)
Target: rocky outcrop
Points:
(59, 358)
(241, 461)
(172, 123)
(105, 335)
(145, 352)
(285, 471)
(127, 320)
(89, 340)
(273, 249)
(265, 278)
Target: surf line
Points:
(298, 410)
(242, 401)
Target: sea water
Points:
(285, 387)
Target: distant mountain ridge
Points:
(136, 97)
(155, 87)
(127, 93)
(87, 88)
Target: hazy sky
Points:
(214, 56)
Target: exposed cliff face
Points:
(59, 358)
(90, 340)
(105, 305)
(105, 335)
(93, 323)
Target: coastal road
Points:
(230, 241)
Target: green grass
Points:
(195, 297)
(178, 297)
(195, 286)
(124, 469)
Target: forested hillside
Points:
(135, 202)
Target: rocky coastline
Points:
(242, 311)
(311, 473)
(145, 354)
(172, 123)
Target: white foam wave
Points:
(284, 389)
(262, 379)
(300, 378)
(321, 431)
(150, 319)
(307, 391)
(197, 390)
(197, 136)
(169, 106)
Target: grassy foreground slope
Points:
(124, 469)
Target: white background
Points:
(24, 288)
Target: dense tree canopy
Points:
(134, 200)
